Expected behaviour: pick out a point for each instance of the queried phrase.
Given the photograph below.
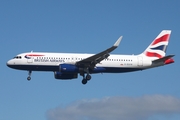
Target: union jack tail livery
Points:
(157, 49)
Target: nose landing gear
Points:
(29, 75)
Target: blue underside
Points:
(56, 68)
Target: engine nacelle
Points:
(68, 68)
(59, 75)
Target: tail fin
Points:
(157, 49)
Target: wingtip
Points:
(118, 41)
(172, 55)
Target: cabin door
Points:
(140, 61)
(30, 59)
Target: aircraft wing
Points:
(91, 61)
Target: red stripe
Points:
(152, 54)
(34, 55)
(161, 39)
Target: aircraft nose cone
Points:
(9, 63)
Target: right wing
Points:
(91, 61)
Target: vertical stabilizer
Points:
(157, 49)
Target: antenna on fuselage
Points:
(31, 51)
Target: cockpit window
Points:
(17, 57)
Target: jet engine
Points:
(65, 76)
(68, 68)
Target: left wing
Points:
(91, 61)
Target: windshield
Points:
(17, 57)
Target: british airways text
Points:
(48, 60)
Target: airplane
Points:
(68, 65)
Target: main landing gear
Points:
(29, 75)
(87, 77)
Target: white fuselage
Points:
(69, 65)
(39, 61)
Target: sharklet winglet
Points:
(116, 44)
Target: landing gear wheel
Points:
(88, 77)
(84, 81)
(28, 78)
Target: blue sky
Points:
(84, 26)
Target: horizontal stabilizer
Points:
(165, 60)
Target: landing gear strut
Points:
(29, 75)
